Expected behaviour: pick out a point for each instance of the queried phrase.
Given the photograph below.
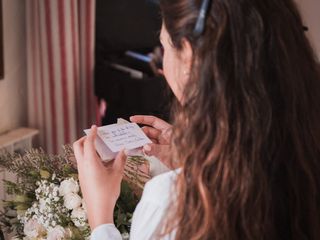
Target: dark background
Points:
(123, 25)
(127, 25)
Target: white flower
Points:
(32, 229)
(72, 201)
(68, 186)
(125, 236)
(42, 205)
(57, 233)
(79, 217)
(79, 213)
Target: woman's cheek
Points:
(171, 73)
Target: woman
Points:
(245, 137)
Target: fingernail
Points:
(93, 126)
(131, 118)
(147, 148)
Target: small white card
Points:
(113, 138)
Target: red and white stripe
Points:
(60, 50)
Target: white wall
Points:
(13, 88)
(310, 10)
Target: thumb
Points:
(90, 145)
(120, 161)
(153, 149)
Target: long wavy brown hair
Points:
(248, 133)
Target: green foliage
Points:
(36, 165)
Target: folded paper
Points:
(115, 137)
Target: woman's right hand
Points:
(159, 132)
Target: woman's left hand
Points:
(100, 183)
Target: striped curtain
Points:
(60, 50)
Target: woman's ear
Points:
(186, 55)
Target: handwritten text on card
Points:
(127, 136)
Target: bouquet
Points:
(46, 200)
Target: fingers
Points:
(155, 149)
(155, 141)
(151, 132)
(151, 121)
(147, 149)
(162, 152)
(120, 161)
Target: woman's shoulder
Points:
(160, 188)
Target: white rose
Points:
(72, 201)
(57, 233)
(68, 186)
(79, 217)
(32, 229)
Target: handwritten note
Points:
(113, 138)
(127, 136)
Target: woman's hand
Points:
(100, 183)
(159, 132)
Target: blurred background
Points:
(71, 63)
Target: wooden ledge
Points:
(17, 135)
